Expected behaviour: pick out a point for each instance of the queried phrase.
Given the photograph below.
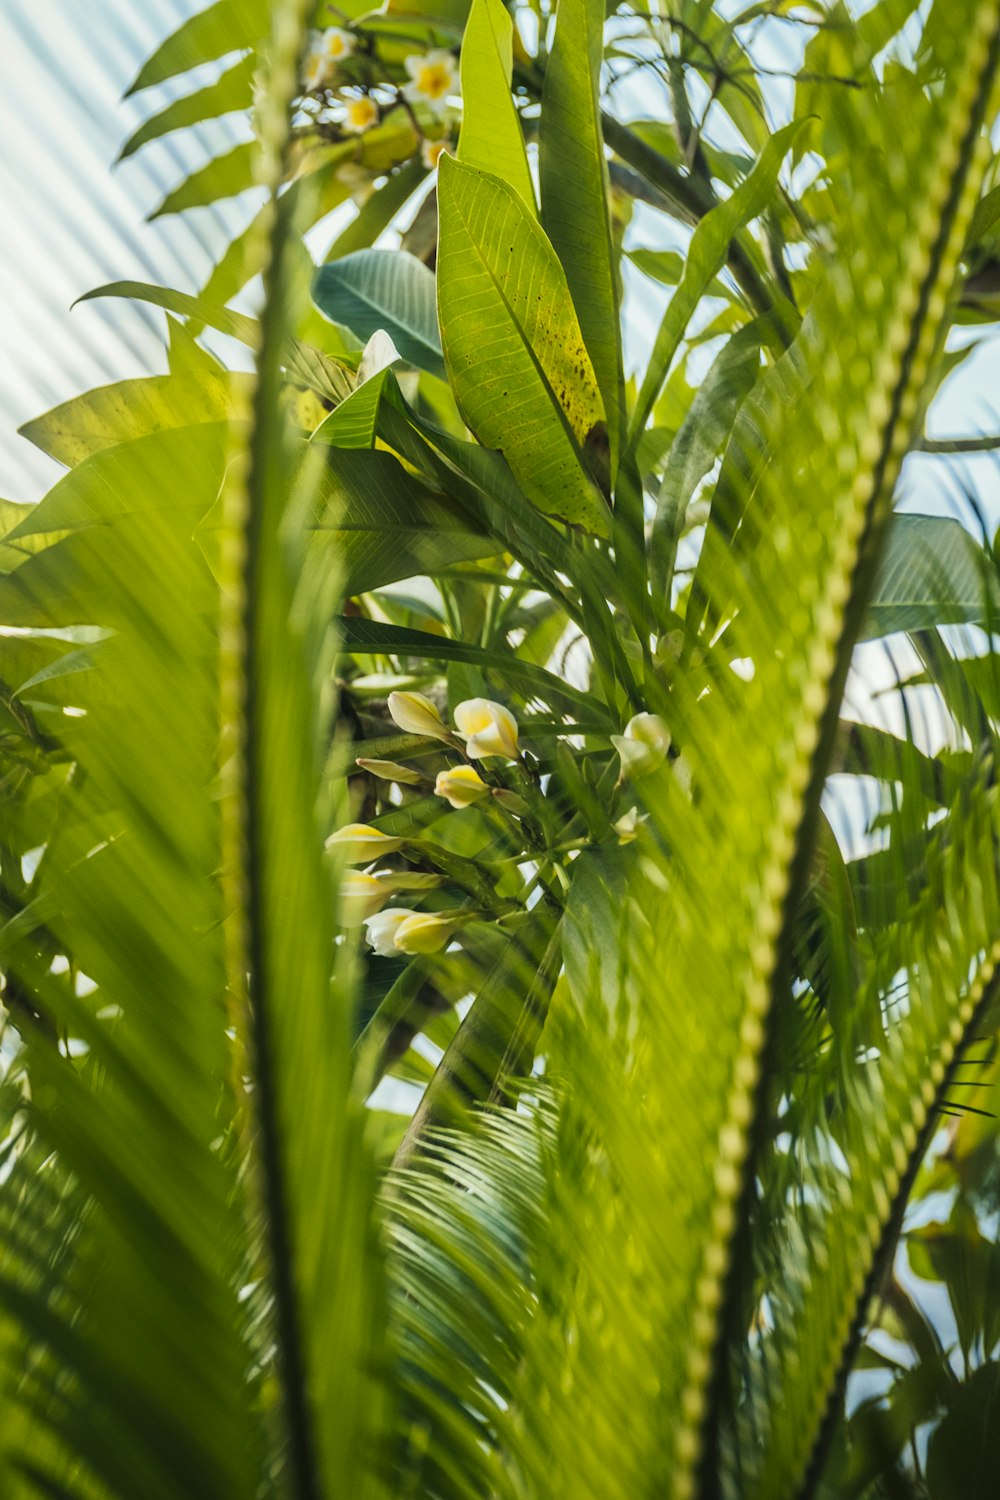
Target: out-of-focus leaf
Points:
(933, 573)
(491, 135)
(519, 367)
(375, 522)
(116, 413)
(378, 211)
(963, 1455)
(224, 27)
(223, 177)
(384, 289)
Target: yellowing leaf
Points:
(114, 414)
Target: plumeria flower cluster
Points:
(432, 84)
(324, 54)
(483, 730)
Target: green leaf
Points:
(236, 325)
(371, 636)
(384, 289)
(491, 135)
(354, 423)
(515, 354)
(697, 444)
(319, 372)
(113, 414)
(574, 185)
(964, 1449)
(705, 259)
(382, 525)
(933, 573)
(226, 26)
(232, 91)
(373, 523)
(223, 177)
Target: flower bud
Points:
(461, 786)
(359, 843)
(512, 801)
(390, 770)
(361, 896)
(416, 714)
(644, 744)
(487, 728)
(425, 932)
(627, 826)
(381, 929)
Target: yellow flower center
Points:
(361, 113)
(434, 80)
(477, 722)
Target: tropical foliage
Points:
(497, 1007)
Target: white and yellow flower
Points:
(425, 932)
(360, 843)
(431, 152)
(487, 728)
(644, 744)
(336, 44)
(460, 785)
(361, 896)
(359, 115)
(415, 714)
(627, 826)
(381, 929)
(433, 79)
(326, 50)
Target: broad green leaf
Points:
(518, 364)
(933, 573)
(491, 135)
(705, 259)
(233, 91)
(113, 414)
(223, 177)
(384, 289)
(574, 186)
(226, 26)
